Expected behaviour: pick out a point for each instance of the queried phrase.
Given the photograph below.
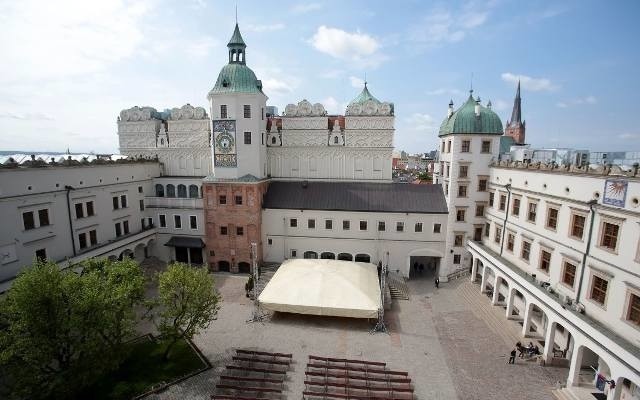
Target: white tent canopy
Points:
(324, 287)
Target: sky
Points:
(66, 72)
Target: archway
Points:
(516, 305)
(423, 264)
(193, 191)
(159, 190)
(171, 190)
(535, 322)
(182, 191)
(127, 253)
(244, 267)
(327, 256)
(345, 257)
(310, 254)
(224, 266)
(139, 252)
(363, 258)
(558, 346)
(586, 367)
(626, 389)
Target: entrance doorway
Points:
(195, 256)
(182, 254)
(423, 267)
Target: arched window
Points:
(159, 190)
(327, 256)
(193, 191)
(223, 266)
(182, 191)
(233, 55)
(363, 258)
(345, 257)
(335, 140)
(310, 254)
(273, 140)
(240, 55)
(171, 190)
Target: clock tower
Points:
(233, 193)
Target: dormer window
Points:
(225, 83)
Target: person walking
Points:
(437, 282)
(512, 357)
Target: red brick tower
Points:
(516, 127)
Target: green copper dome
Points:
(465, 120)
(237, 78)
(364, 96)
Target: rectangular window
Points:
(262, 112)
(240, 231)
(43, 217)
(270, 241)
(346, 225)
(193, 222)
(247, 138)
(552, 218)
(599, 289)
(125, 227)
(139, 189)
(293, 222)
(609, 237)
(116, 203)
(569, 274)
(482, 185)
(503, 202)
(458, 239)
(449, 146)
(442, 151)
(446, 189)
(511, 240)
(328, 224)
(311, 223)
(526, 250)
(437, 228)
(515, 209)
(294, 253)
(41, 254)
(487, 229)
(247, 111)
(577, 225)
(82, 240)
(238, 200)
(363, 225)
(418, 227)
(462, 191)
(498, 236)
(162, 220)
(399, 226)
(93, 237)
(466, 145)
(460, 215)
(382, 226)
(479, 210)
(141, 202)
(118, 228)
(545, 261)
(223, 230)
(486, 146)
(90, 211)
(223, 111)
(633, 313)
(491, 199)
(177, 222)
(463, 172)
(222, 200)
(79, 210)
(123, 201)
(532, 212)
(456, 258)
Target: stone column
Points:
(510, 303)
(496, 290)
(483, 281)
(474, 268)
(549, 336)
(574, 367)
(526, 325)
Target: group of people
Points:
(530, 350)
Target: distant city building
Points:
(272, 111)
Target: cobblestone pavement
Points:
(449, 352)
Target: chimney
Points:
(477, 108)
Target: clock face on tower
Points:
(224, 143)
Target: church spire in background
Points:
(516, 127)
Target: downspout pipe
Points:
(73, 242)
(506, 216)
(592, 206)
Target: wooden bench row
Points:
(260, 360)
(329, 395)
(347, 386)
(248, 388)
(346, 360)
(251, 379)
(262, 370)
(358, 369)
(351, 376)
(264, 353)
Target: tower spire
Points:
(515, 126)
(516, 113)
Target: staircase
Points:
(493, 316)
(397, 286)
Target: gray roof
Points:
(356, 196)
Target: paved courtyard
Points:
(443, 337)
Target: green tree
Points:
(61, 330)
(188, 302)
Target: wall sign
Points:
(615, 192)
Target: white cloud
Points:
(421, 122)
(627, 136)
(333, 106)
(561, 104)
(441, 91)
(201, 47)
(37, 116)
(529, 83)
(360, 48)
(588, 100)
(273, 85)
(72, 38)
(305, 8)
(264, 28)
(356, 82)
(332, 74)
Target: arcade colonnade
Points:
(569, 338)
